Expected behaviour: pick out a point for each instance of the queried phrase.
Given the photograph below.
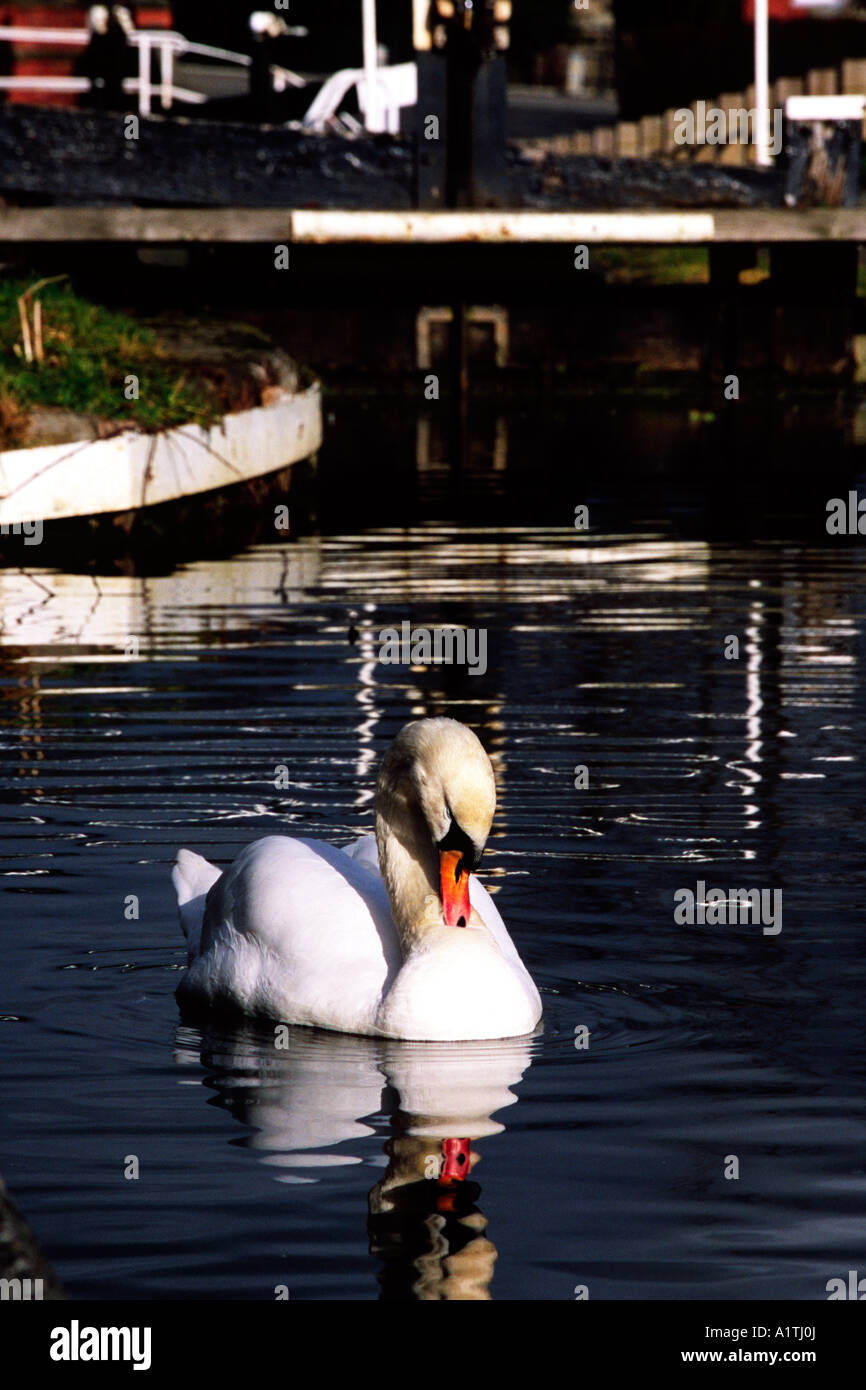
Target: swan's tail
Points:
(192, 877)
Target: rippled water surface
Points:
(143, 712)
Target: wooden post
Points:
(786, 87)
(854, 77)
(602, 141)
(627, 140)
(752, 153)
(734, 153)
(854, 80)
(144, 88)
(704, 154)
(822, 82)
(650, 136)
(669, 125)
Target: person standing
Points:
(107, 59)
(267, 41)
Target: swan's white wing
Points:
(192, 877)
(295, 930)
(364, 851)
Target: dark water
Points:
(601, 1166)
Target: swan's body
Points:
(301, 931)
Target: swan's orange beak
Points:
(454, 881)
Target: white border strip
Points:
(503, 228)
(132, 470)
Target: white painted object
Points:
(29, 83)
(169, 44)
(762, 82)
(392, 89)
(381, 96)
(576, 73)
(845, 108)
(335, 225)
(132, 470)
(374, 116)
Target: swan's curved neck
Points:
(409, 864)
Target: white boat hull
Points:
(132, 470)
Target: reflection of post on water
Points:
(311, 1101)
(425, 1225)
(483, 444)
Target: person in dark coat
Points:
(107, 59)
(267, 43)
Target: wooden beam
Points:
(274, 226)
(761, 226)
(165, 226)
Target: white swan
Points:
(410, 947)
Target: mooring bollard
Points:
(462, 102)
(822, 150)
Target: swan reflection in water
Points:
(314, 1100)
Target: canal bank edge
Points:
(132, 470)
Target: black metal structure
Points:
(463, 105)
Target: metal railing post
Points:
(166, 72)
(144, 88)
(762, 82)
(373, 114)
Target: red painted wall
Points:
(59, 60)
(787, 9)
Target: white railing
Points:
(381, 96)
(30, 83)
(382, 91)
(169, 44)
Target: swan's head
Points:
(436, 785)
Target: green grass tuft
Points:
(89, 353)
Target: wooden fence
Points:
(653, 137)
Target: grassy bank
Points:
(88, 356)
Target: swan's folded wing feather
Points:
(364, 851)
(295, 930)
(192, 877)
